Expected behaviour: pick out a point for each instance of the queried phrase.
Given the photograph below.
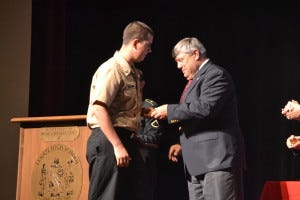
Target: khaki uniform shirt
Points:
(116, 84)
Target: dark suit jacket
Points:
(211, 139)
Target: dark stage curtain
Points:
(48, 58)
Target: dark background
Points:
(258, 43)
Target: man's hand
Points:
(122, 156)
(174, 152)
(146, 112)
(160, 112)
(291, 110)
(293, 142)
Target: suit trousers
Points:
(109, 182)
(217, 185)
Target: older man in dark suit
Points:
(211, 140)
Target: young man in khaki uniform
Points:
(114, 118)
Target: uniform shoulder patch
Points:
(155, 124)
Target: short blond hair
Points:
(136, 30)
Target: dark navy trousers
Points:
(109, 182)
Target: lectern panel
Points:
(52, 163)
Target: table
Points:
(281, 190)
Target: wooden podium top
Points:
(49, 118)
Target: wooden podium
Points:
(52, 163)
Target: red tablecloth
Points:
(281, 190)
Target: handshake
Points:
(156, 113)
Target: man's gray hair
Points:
(187, 46)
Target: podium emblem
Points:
(57, 174)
